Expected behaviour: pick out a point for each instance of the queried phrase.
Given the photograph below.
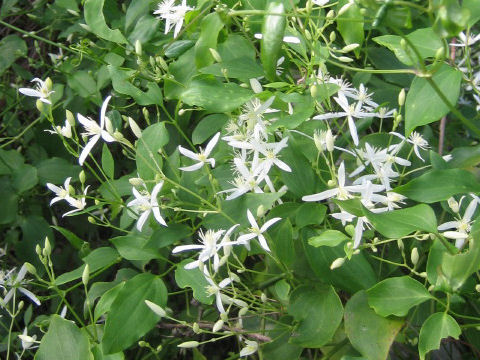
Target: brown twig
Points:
(208, 325)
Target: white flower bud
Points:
(70, 117)
(189, 344)
(243, 311)
(135, 128)
(453, 204)
(330, 15)
(423, 275)
(196, 328)
(156, 308)
(86, 275)
(138, 47)
(333, 36)
(39, 105)
(329, 141)
(256, 86)
(260, 211)
(344, 8)
(350, 47)
(414, 256)
(337, 263)
(477, 288)
(136, 181)
(47, 247)
(345, 59)
(263, 297)
(401, 97)
(215, 55)
(400, 245)
(81, 177)
(218, 326)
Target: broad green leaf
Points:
(280, 347)
(106, 300)
(438, 185)
(395, 296)
(207, 127)
(194, 279)
(398, 223)
(310, 214)
(83, 84)
(474, 7)
(209, 30)
(120, 82)
(11, 48)
(329, 238)
(96, 260)
(135, 247)
(423, 105)
(24, 178)
(164, 236)
(319, 311)
(303, 108)
(129, 317)
(350, 24)
(425, 41)
(354, 275)
(98, 354)
(63, 341)
(145, 29)
(236, 46)
(214, 96)
(148, 159)
(55, 170)
(369, 333)
(282, 242)
(437, 327)
(73, 239)
(135, 10)
(108, 165)
(352, 206)
(10, 160)
(93, 12)
(243, 68)
(273, 28)
(434, 261)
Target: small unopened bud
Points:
(337, 263)
(477, 288)
(260, 211)
(86, 275)
(331, 183)
(218, 326)
(142, 343)
(136, 181)
(423, 275)
(97, 202)
(414, 256)
(81, 177)
(453, 204)
(332, 36)
(91, 219)
(440, 53)
(160, 61)
(117, 135)
(181, 112)
(431, 288)
(350, 229)
(146, 114)
(189, 344)
(243, 311)
(330, 15)
(138, 47)
(329, 141)
(401, 97)
(403, 44)
(314, 90)
(345, 59)
(215, 55)
(400, 245)
(263, 297)
(224, 316)
(30, 268)
(350, 47)
(256, 86)
(38, 250)
(48, 84)
(345, 8)
(47, 247)
(70, 117)
(85, 26)
(21, 304)
(39, 105)
(196, 328)
(157, 309)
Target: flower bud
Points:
(332, 36)
(47, 247)
(423, 275)
(400, 245)
(117, 135)
(337, 263)
(314, 90)
(138, 47)
(263, 297)
(218, 325)
(136, 181)
(224, 316)
(81, 177)
(260, 211)
(21, 304)
(453, 204)
(350, 230)
(329, 141)
(142, 344)
(403, 44)
(86, 275)
(477, 288)
(48, 84)
(243, 311)
(345, 59)
(401, 97)
(97, 202)
(189, 344)
(431, 288)
(215, 55)
(38, 250)
(344, 8)
(39, 105)
(440, 53)
(146, 114)
(330, 15)
(350, 47)
(414, 256)
(91, 219)
(30, 268)
(70, 117)
(196, 328)
(160, 61)
(331, 183)
(256, 86)
(156, 308)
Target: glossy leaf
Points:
(328, 238)
(350, 24)
(272, 30)
(209, 30)
(194, 279)
(438, 185)
(11, 48)
(437, 327)
(310, 214)
(282, 242)
(93, 11)
(369, 333)
(423, 105)
(108, 164)
(135, 247)
(207, 127)
(396, 296)
(148, 159)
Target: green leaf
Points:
(83, 84)
(329, 238)
(106, 300)
(398, 223)
(148, 159)
(423, 105)
(214, 96)
(10, 160)
(129, 317)
(273, 28)
(207, 127)
(282, 242)
(194, 279)
(55, 170)
(438, 185)
(474, 7)
(63, 341)
(350, 24)
(209, 29)
(24, 178)
(11, 48)
(437, 327)
(135, 10)
(108, 164)
(135, 247)
(395, 296)
(369, 333)
(120, 82)
(93, 12)
(243, 68)
(96, 260)
(310, 214)
(319, 311)
(164, 236)
(73, 239)
(425, 41)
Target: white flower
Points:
(41, 91)
(462, 226)
(287, 39)
(173, 15)
(250, 348)
(27, 341)
(15, 281)
(147, 203)
(256, 231)
(202, 158)
(465, 40)
(61, 193)
(94, 130)
(416, 140)
(79, 204)
(248, 179)
(320, 2)
(65, 131)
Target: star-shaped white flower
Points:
(416, 140)
(94, 130)
(462, 226)
(250, 348)
(147, 203)
(62, 193)
(203, 157)
(256, 231)
(65, 130)
(173, 15)
(79, 204)
(13, 281)
(40, 91)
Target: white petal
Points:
(141, 221)
(192, 167)
(158, 216)
(30, 295)
(30, 92)
(269, 223)
(211, 144)
(291, 39)
(103, 110)
(263, 242)
(86, 150)
(321, 196)
(84, 121)
(107, 137)
(448, 225)
(470, 210)
(187, 153)
(244, 239)
(353, 130)
(251, 219)
(182, 248)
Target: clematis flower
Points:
(13, 281)
(257, 232)
(202, 158)
(250, 348)
(416, 140)
(94, 130)
(41, 91)
(147, 203)
(65, 130)
(62, 193)
(173, 15)
(79, 204)
(27, 340)
(461, 226)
